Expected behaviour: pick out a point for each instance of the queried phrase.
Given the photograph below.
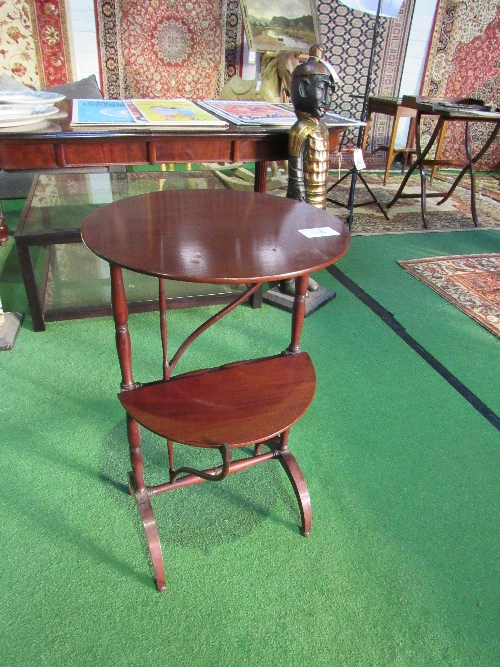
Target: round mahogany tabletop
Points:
(215, 236)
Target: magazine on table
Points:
(170, 114)
(251, 113)
(266, 113)
(101, 112)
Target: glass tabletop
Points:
(68, 275)
(60, 202)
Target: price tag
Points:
(314, 232)
(359, 162)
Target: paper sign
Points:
(314, 232)
(359, 162)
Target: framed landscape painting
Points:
(280, 25)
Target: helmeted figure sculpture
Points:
(312, 86)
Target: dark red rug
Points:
(462, 61)
(470, 282)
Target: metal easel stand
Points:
(355, 171)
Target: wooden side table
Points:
(221, 237)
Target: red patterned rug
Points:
(470, 282)
(463, 61)
(34, 42)
(164, 49)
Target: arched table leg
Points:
(299, 485)
(138, 488)
(152, 537)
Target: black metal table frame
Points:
(421, 162)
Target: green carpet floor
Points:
(402, 566)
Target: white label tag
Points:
(319, 231)
(332, 71)
(359, 162)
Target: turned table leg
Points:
(4, 230)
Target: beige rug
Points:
(405, 216)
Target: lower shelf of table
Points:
(237, 405)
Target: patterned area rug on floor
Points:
(405, 216)
(470, 282)
(487, 185)
(463, 61)
(150, 49)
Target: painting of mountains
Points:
(281, 24)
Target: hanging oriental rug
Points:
(464, 61)
(347, 36)
(470, 282)
(152, 48)
(34, 39)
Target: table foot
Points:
(9, 329)
(4, 230)
(314, 300)
(152, 538)
(299, 485)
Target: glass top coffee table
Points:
(63, 280)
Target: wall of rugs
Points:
(464, 61)
(189, 49)
(34, 42)
(194, 61)
(347, 36)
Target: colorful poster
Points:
(252, 113)
(172, 112)
(101, 112)
(169, 114)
